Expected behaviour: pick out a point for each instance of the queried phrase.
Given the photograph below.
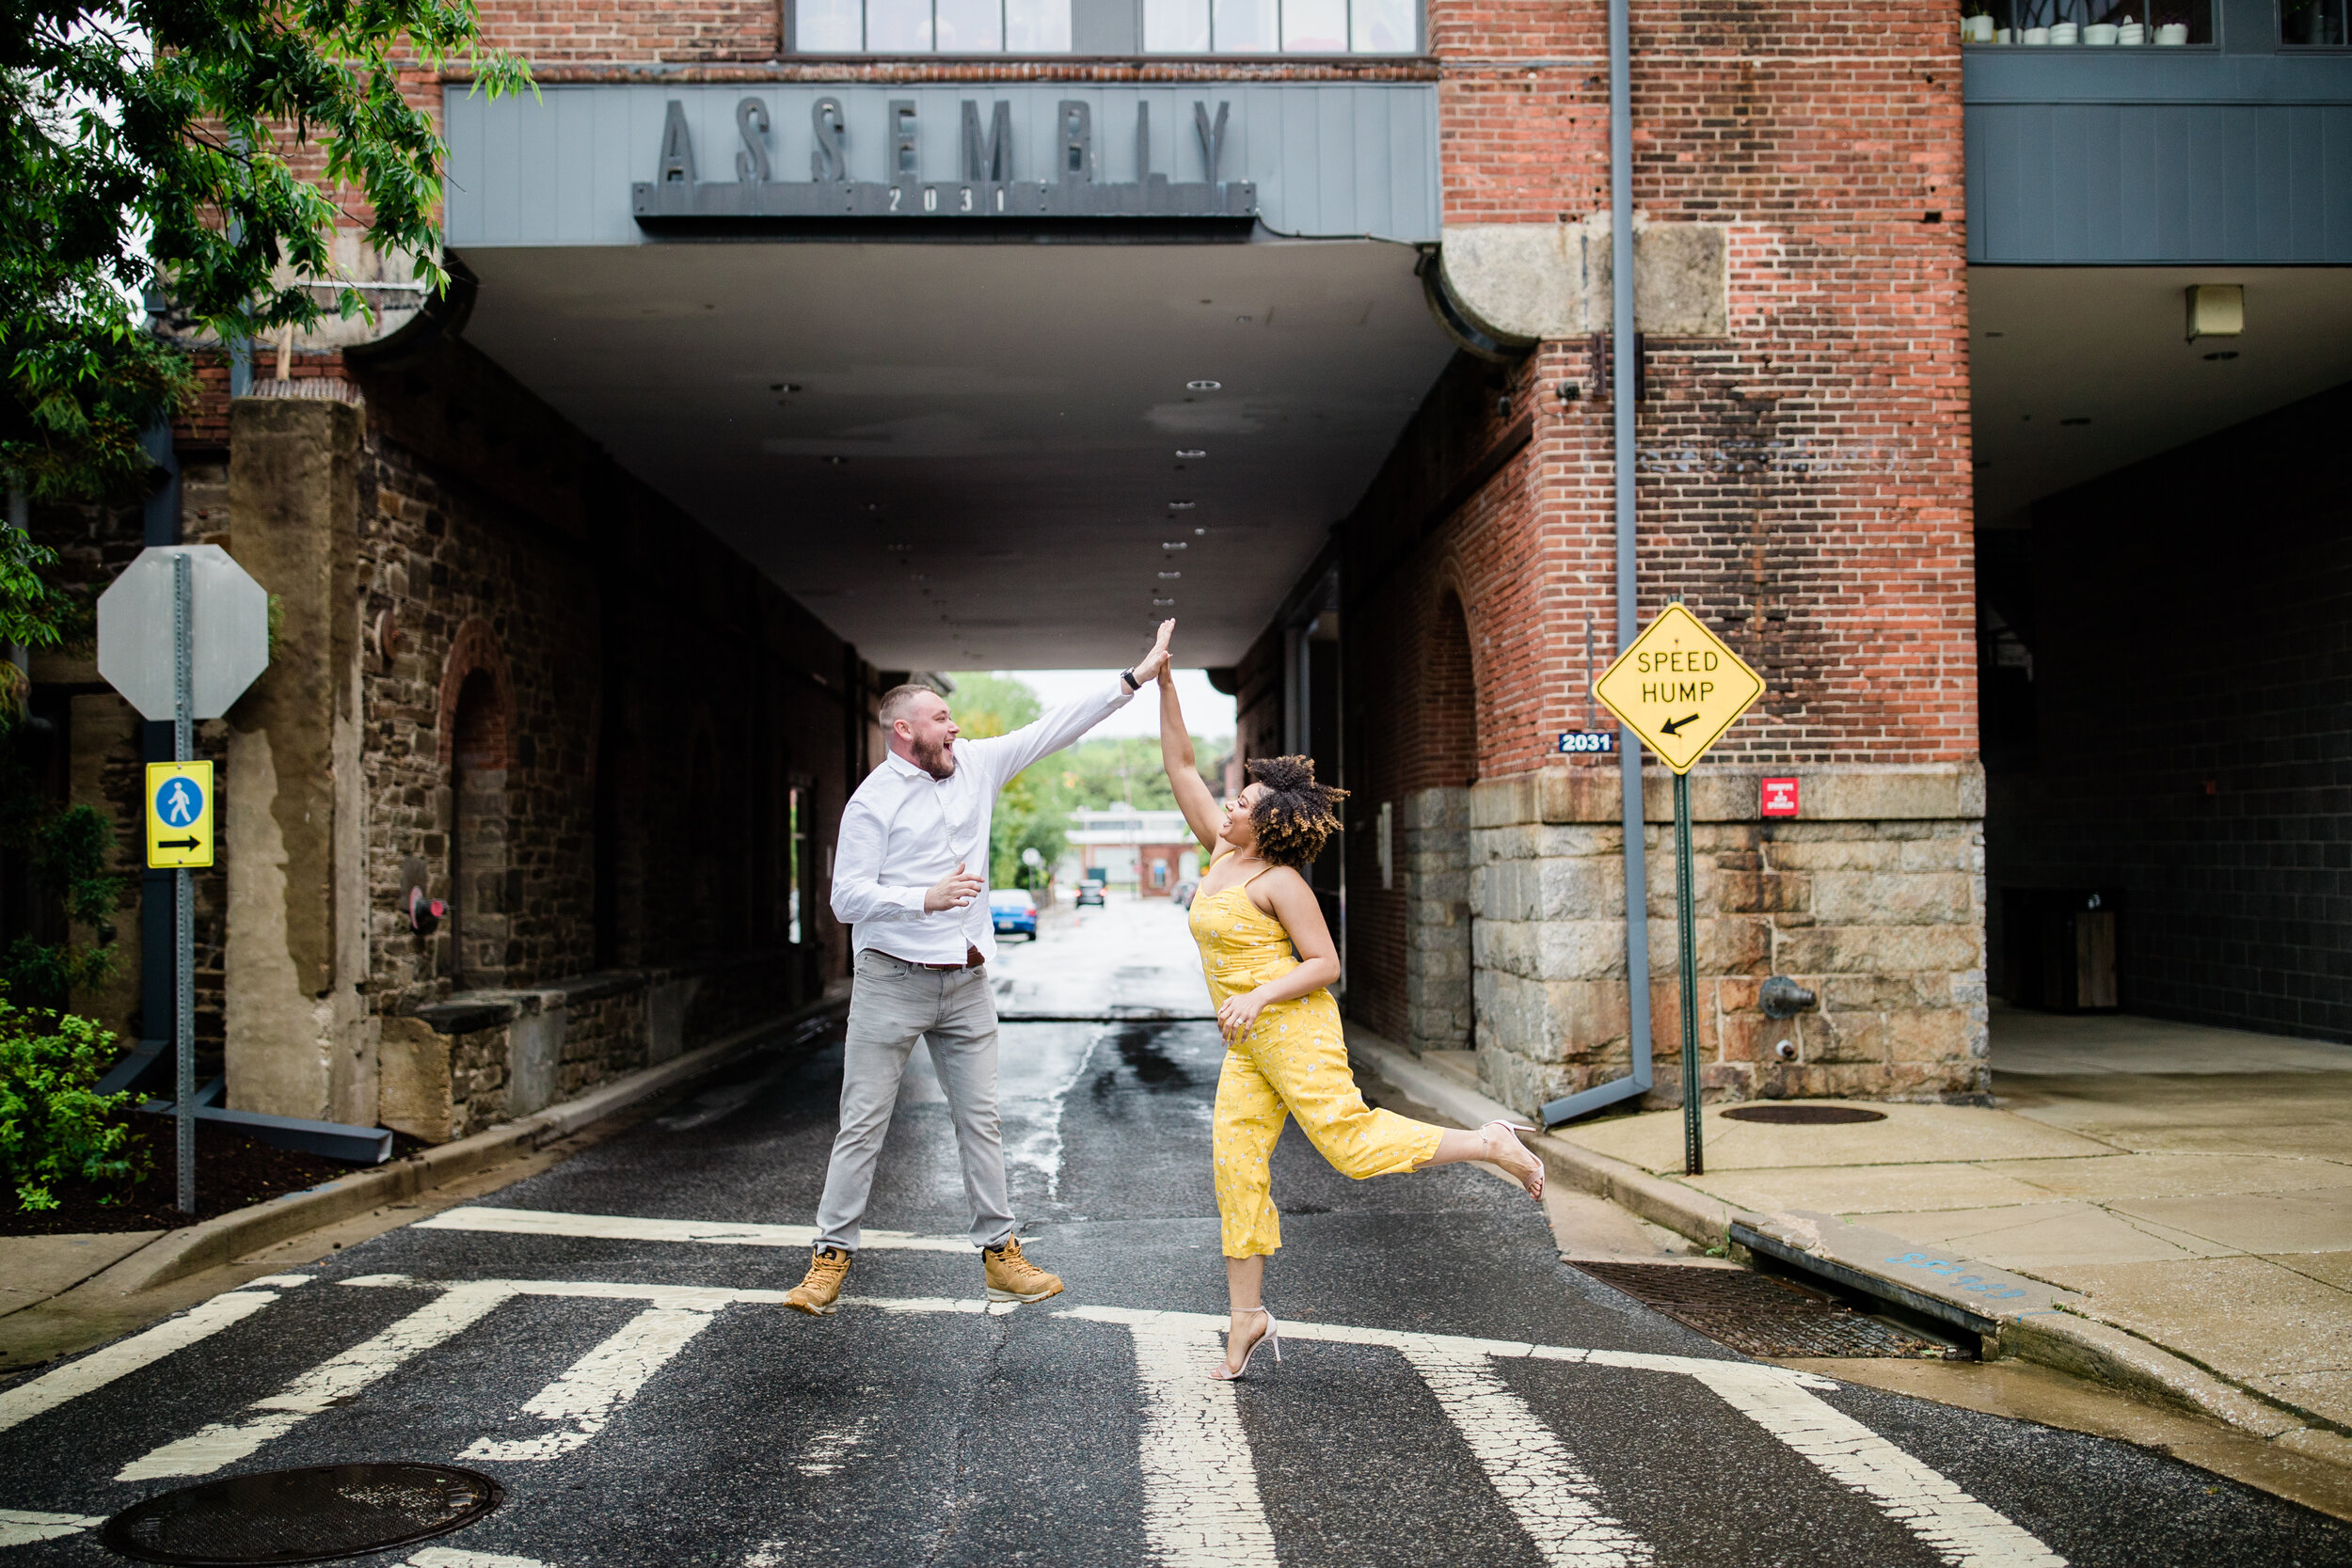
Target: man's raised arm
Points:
(1005, 755)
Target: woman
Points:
(1270, 964)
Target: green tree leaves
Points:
(208, 151)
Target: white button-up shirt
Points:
(904, 829)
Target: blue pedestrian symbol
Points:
(179, 802)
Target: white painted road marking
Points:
(1964, 1531)
(100, 1368)
(224, 1443)
(1201, 1506)
(600, 1382)
(444, 1557)
(1201, 1501)
(22, 1527)
(626, 1227)
(1554, 1501)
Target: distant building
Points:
(1149, 850)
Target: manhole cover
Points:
(1762, 1316)
(310, 1516)
(1803, 1115)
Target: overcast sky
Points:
(1207, 711)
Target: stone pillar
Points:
(1873, 899)
(1433, 833)
(294, 803)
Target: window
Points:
(2319, 23)
(797, 866)
(930, 26)
(1164, 26)
(1279, 26)
(2118, 23)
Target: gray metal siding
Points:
(2135, 158)
(1328, 158)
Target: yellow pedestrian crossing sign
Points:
(1679, 686)
(179, 814)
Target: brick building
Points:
(800, 346)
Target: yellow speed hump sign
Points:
(179, 815)
(1679, 686)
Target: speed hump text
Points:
(1679, 687)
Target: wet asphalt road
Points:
(678, 1424)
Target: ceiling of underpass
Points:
(973, 456)
(2078, 372)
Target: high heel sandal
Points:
(1272, 1336)
(1511, 1129)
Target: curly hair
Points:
(1295, 816)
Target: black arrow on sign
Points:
(1672, 726)
(191, 842)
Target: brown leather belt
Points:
(971, 959)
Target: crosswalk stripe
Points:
(1553, 1498)
(1961, 1530)
(600, 1383)
(100, 1368)
(21, 1526)
(1201, 1506)
(1964, 1531)
(448, 1556)
(224, 1443)
(629, 1227)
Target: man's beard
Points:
(938, 761)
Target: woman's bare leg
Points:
(1495, 1145)
(1245, 1278)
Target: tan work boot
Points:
(819, 1291)
(1013, 1277)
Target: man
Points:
(921, 938)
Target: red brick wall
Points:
(1804, 481)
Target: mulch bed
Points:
(233, 1172)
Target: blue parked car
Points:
(1014, 911)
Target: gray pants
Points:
(892, 1002)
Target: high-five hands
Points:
(1156, 661)
(951, 891)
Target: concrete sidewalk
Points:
(2155, 1204)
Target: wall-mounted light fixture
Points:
(2216, 311)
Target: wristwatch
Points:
(1129, 677)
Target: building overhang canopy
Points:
(967, 440)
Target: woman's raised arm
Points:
(1201, 812)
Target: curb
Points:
(227, 1237)
(2053, 1332)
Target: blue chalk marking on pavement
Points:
(1949, 1269)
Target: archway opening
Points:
(479, 903)
(1442, 964)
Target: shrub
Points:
(52, 1123)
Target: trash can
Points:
(2059, 948)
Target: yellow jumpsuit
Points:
(1292, 1060)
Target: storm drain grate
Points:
(1762, 1316)
(1803, 1115)
(309, 1515)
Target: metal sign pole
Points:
(184, 882)
(1694, 1158)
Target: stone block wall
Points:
(1881, 916)
(653, 699)
(484, 1057)
(1433, 867)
